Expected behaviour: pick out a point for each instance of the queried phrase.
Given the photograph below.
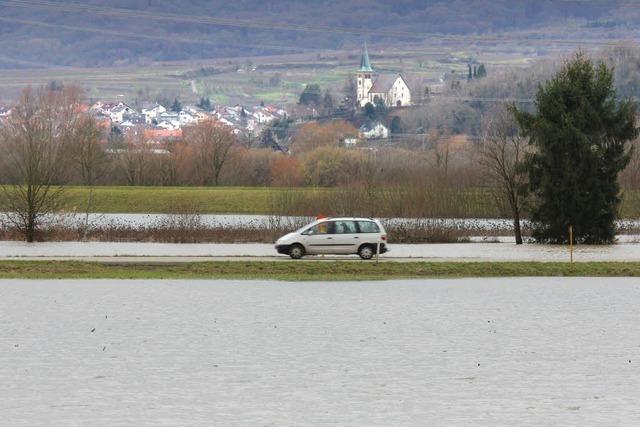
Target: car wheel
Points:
(366, 252)
(296, 251)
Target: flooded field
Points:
(553, 351)
(481, 225)
(159, 221)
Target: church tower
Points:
(364, 78)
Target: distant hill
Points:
(99, 33)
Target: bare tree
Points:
(212, 143)
(32, 142)
(135, 160)
(88, 157)
(503, 151)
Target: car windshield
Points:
(306, 227)
(323, 227)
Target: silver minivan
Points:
(335, 236)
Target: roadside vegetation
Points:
(309, 270)
(187, 228)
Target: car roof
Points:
(350, 218)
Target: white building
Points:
(117, 113)
(373, 130)
(186, 118)
(390, 88)
(152, 112)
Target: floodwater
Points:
(483, 226)
(424, 252)
(98, 220)
(553, 351)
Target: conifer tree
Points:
(176, 106)
(578, 135)
(481, 72)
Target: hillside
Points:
(40, 33)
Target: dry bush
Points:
(314, 135)
(425, 232)
(188, 229)
(286, 171)
(330, 166)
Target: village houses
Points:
(157, 123)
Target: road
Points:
(167, 252)
(482, 352)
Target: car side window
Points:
(345, 227)
(321, 228)
(368, 227)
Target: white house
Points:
(350, 142)
(373, 130)
(186, 118)
(118, 113)
(390, 88)
(262, 115)
(168, 125)
(152, 112)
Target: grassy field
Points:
(209, 200)
(308, 270)
(470, 203)
(254, 200)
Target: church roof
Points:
(383, 83)
(365, 64)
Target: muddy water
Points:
(523, 352)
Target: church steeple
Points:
(365, 65)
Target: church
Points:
(391, 88)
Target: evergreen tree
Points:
(311, 95)
(381, 108)
(327, 103)
(482, 72)
(396, 125)
(579, 136)
(369, 111)
(469, 74)
(176, 106)
(205, 104)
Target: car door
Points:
(319, 238)
(346, 239)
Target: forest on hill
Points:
(41, 33)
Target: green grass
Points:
(211, 200)
(309, 270)
(473, 202)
